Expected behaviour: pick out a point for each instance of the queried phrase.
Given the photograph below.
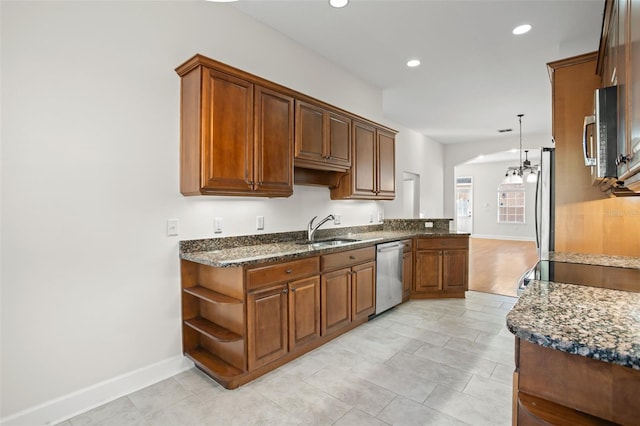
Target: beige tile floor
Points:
(431, 362)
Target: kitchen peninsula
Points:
(578, 342)
(253, 303)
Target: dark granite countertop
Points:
(250, 250)
(594, 322)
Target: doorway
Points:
(411, 190)
(464, 203)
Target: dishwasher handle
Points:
(389, 247)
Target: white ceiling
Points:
(475, 75)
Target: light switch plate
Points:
(337, 219)
(172, 227)
(259, 222)
(217, 225)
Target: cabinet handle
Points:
(352, 257)
(288, 271)
(293, 289)
(285, 291)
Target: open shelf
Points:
(211, 296)
(212, 330)
(213, 365)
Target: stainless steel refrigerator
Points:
(545, 203)
(544, 214)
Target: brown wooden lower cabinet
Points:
(336, 300)
(304, 312)
(555, 387)
(349, 292)
(441, 267)
(241, 322)
(407, 270)
(363, 291)
(267, 322)
(281, 318)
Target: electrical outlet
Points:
(172, 227)
(380, 216)
(217, 225)
(259, 222)
(370, 217)
(337, 219)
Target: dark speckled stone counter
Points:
(594, 322)
(249, 250)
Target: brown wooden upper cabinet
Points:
(619, 65)
(323, 138)
(236, 135)
(372, 174)
(241, 134)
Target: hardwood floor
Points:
(496, 265)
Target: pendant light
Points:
(524, 170)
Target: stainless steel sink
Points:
(333, 242)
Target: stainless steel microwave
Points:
(599, 142)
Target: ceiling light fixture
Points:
(413, 63)
(521, 29)
(338, 3)
(524, 170)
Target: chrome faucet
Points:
(311, 230)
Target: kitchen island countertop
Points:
(598, 323)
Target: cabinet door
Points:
(363, 290)
(428, 273)
(273, 143)
(227, 133)
(267, 338)
(455, 264)
(339, 143)
(335, 300)
(616, 74)
(386, 165)
(407, 274)
(310, 133)
(304, 311)
(364, 161)
(633, 88)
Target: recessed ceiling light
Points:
(521, 29)
(413, 63)
(338, 3)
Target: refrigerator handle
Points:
(537, 212)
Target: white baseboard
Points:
(68, 406)
(502, 237)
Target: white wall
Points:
(486, 178)
(90, 136)
(418, 154)
(457, 154)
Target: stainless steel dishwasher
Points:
(388, 275)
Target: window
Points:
(511, 205)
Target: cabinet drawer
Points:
(441, 243)
(282, 272)
(408, 245)
(347, 258)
